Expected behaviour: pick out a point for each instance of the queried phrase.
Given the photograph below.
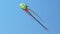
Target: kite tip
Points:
(46, 29)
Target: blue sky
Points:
(13, 20)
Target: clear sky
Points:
(13, 20)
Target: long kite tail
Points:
(36, 15)
(38, 21)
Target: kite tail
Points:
(38, 21)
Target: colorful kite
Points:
(24, 7)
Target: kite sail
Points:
(27, 10)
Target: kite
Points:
(24, 7)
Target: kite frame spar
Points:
(38, 21)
